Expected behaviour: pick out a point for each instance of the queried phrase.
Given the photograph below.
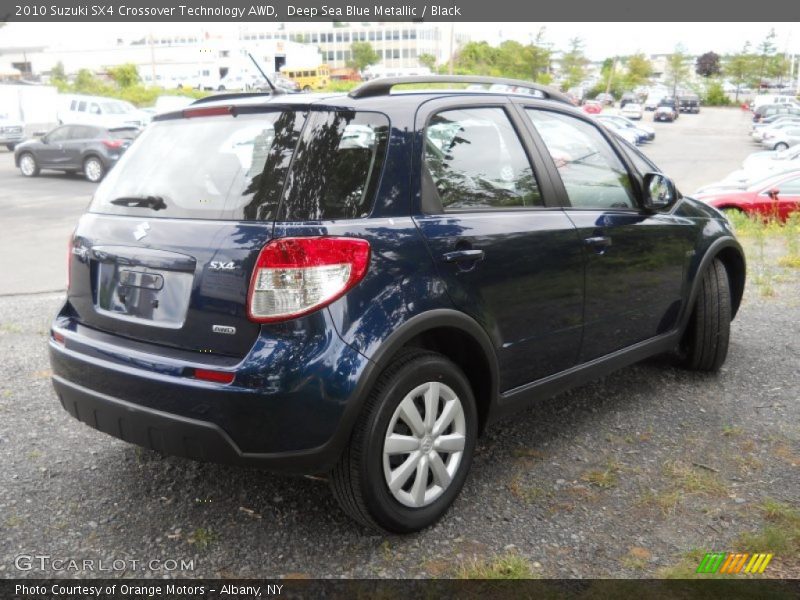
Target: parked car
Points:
(689, 103)
(667, 110)
(764, 132)
(770, 110)
(628, 98)
(606, 99)
(766, 99)
(99, 111)
(644, 133)
(757, 159)
(592, 107)
(781, 139)
(632, 110)
(11, 131)
(245, 289)
(73, 148)
(777, 196)
(773, 120)
(652, 100)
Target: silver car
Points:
(781, 139)
(11, 132)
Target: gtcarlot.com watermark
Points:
(45, 562)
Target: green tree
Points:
(58, 74)
(573, 64)
(639, 71)
(715, 95)
(363, 55)
(85, 81)
(427, 60)
(741, 68)
(124, 76)
(677, 69)
(766, 52)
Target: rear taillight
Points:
(113, 144)
(295, 276)
(70, 246)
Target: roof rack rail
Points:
(383, 86)
(231, 96)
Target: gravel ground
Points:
(601, 481)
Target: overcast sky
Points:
(601, 39)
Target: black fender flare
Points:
(711, 253)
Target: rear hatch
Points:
(166, 251)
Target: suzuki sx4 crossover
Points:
(358, 285)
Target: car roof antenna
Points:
(275, 90)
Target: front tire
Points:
(93, 169)
(28, 165)
(705, 342)
(780, 147)
(412, 446)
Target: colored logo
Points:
(734, 562)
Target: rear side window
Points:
(337, 167)
(218, 167)
(476, 161)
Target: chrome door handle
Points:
(463, 256)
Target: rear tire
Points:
(415, 381)
(93, 169)
(780, 147)
(705, 342)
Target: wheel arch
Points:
(730, 253)
(457, 337)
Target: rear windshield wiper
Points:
(154, 202)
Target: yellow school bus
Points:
(308, 78)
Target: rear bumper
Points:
(289, 409)
(160, 431)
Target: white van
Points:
(101, 111)
(765, 99)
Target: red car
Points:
(776, 196)
(592, 107)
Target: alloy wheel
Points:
(424, 444)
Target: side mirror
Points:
(773, 193)
(45, 140)
(659, 191)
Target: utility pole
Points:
(452, 36)
(611, 75)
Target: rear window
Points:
(250, 168)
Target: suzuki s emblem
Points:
(141, 231)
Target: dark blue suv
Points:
(357, 285)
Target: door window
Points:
(82, 106)
(475, 161)
(789, 188)
(593, 174)
(58, 135)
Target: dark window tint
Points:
(119, 134)
(593, 174)
(218, 167)
(476, 161)
(337, 166)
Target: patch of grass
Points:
(666, 501)
(694, 480)
(636, 559)
(787, 455)
(528, 494)
(202, 537)
(731, 430)
(604, 478)
(522, 452)
(506, 566)
(790, 261)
